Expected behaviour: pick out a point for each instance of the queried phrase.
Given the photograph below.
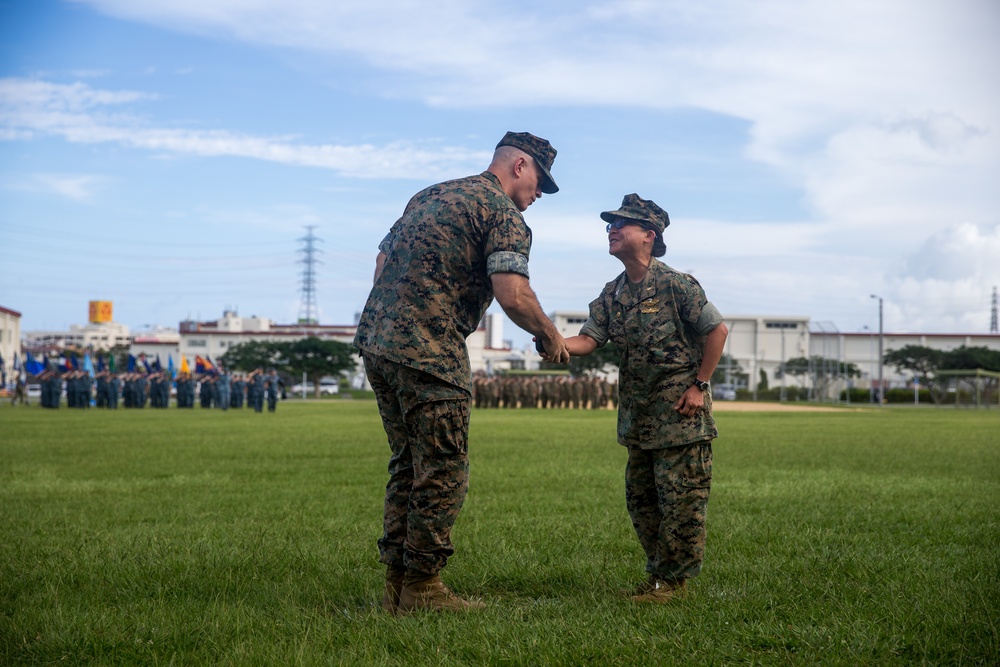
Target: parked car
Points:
(326, 388)
(297, 389)
(724, 392)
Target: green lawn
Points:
(202, 537)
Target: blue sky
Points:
(168, 156)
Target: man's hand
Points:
(690, 402)
(555, 350)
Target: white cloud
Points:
(76, 112)
(78, 187)
(958, 251)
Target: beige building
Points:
(10, 339)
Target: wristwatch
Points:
(701, 385)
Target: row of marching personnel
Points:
(137, 390)
(531, 391)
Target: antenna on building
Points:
(993, 312)
(308, 312)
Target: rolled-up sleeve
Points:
(386, 243)
(592, 329)
(507, 262)
(709, 319)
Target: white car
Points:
(297, 389)
(724, 392)
(326, 388)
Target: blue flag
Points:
(32, 365)
(131, 363)
(170, 366)
(88, 364)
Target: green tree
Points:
(921, 362)
(971, 358)
(316, 358)
(252, 354)
(762, 384)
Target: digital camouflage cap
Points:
(635, 207)
(538, 148)
(648, 213)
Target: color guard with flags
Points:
(203, 366)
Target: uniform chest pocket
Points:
(657, 331)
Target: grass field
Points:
(200, 537)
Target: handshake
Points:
(561, 351)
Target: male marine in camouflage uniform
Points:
(670, 338)
(457, 245)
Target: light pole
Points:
(881, 342)
(871, 363)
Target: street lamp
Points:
(871, 362)
(881, 342)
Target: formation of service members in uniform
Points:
(546, 392)
(136, 390)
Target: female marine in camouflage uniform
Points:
(670, 338)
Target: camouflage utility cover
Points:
(660, 327)
(435, 283)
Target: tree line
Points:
(931, 367)
(315, 357)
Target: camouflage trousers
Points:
(427, 423)
(666, 491)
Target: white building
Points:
(101, 336)
(10, 339)
(214, 338)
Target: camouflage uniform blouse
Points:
(435, 283)
(660, 327)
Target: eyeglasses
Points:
(621, 222)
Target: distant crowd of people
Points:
(531, 391)
(137, 390)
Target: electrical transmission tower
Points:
(993, 312)
(308, 311)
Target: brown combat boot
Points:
(660, 590)
(393, 585)
(430, 593)
(641, 589)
